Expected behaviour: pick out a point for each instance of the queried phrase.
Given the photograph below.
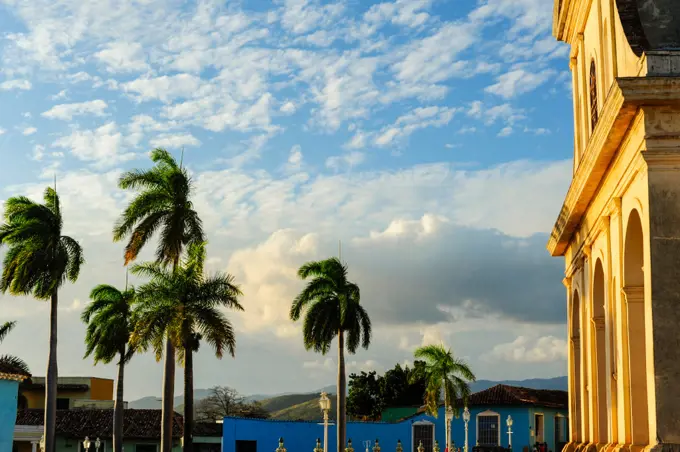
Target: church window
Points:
(593, 95)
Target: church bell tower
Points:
(619, 227)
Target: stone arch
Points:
(634, 290)
(598, 356)
(575, 352)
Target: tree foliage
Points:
(10, 363)
(370, 394)
(443, 372)
(225, 401)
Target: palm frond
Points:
(5, 329)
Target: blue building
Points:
(539, 416)
(9, 393)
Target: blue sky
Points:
(433, 137)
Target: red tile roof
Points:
(78, 423)
(515, 395)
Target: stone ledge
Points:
(623, 100)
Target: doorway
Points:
(246, 446)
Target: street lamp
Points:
(97, 444)
(86, 444)
(509, 424)
(449, 419)
(325, 405)
(466, 419)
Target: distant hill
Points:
(305, 411)
(306, 406)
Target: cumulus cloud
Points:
(29, 131)
(527, 349)
(516, 82)
(174, 141)
(102, 147)
(17, 84)
(123, 57)
(66, 112)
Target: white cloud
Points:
(295, 157)
(505, 132)
(419, 118)
(9, 85)
(407, 13)
(518, 81)
(174, 141)
(66, 112)
(526, 349)
(288, 108)
(349, 160)
(29, 131)
(102, 146)
(467, 130)
(358, 141)
(2, 131)
(302, 16)
(60, 95)
(38, 152)
(123, 57)
(164, 88)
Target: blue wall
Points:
(8, 413)
(301, 436)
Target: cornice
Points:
(12, 377)
(633, 294)
(662, 160)
(625, 96)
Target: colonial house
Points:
(538, 417)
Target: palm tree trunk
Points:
(342, 383)
(51, 380)
(448, 424)
(188, 398)
(119, 407)
(168, 410)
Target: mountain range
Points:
(292, 405)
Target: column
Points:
(34, 446)
(663, 172)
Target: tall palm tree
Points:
(39, 260)
(185, 306)
(110, 323)
(9, 363)
(163, 205)
(332, 309)
(443, 372)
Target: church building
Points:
(619, 227)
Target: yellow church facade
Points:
(619, 227)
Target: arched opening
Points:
(599, 357)
(575, 352)
(593, 96)
(634, 285)
(613, 389)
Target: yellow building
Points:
(72, 392)
(619, 227)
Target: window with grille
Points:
(593, 95)
(487, 429)
(424, 433)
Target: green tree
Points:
(365, 398)
(332, 309)
(38, 261)
(162, 205)
(9, 363)
(186, 306)
(110, 323)
(443, 372)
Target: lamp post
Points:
(466, 419)
(449, 419)
(86, 444)
(509, 424)
(325, 405)
(97, 444)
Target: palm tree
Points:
(39, 260)
(109, 320)
(443, 372)
(331, 305)
(9, 363)
(163, 205)
(186, 307)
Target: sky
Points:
(432, 139)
